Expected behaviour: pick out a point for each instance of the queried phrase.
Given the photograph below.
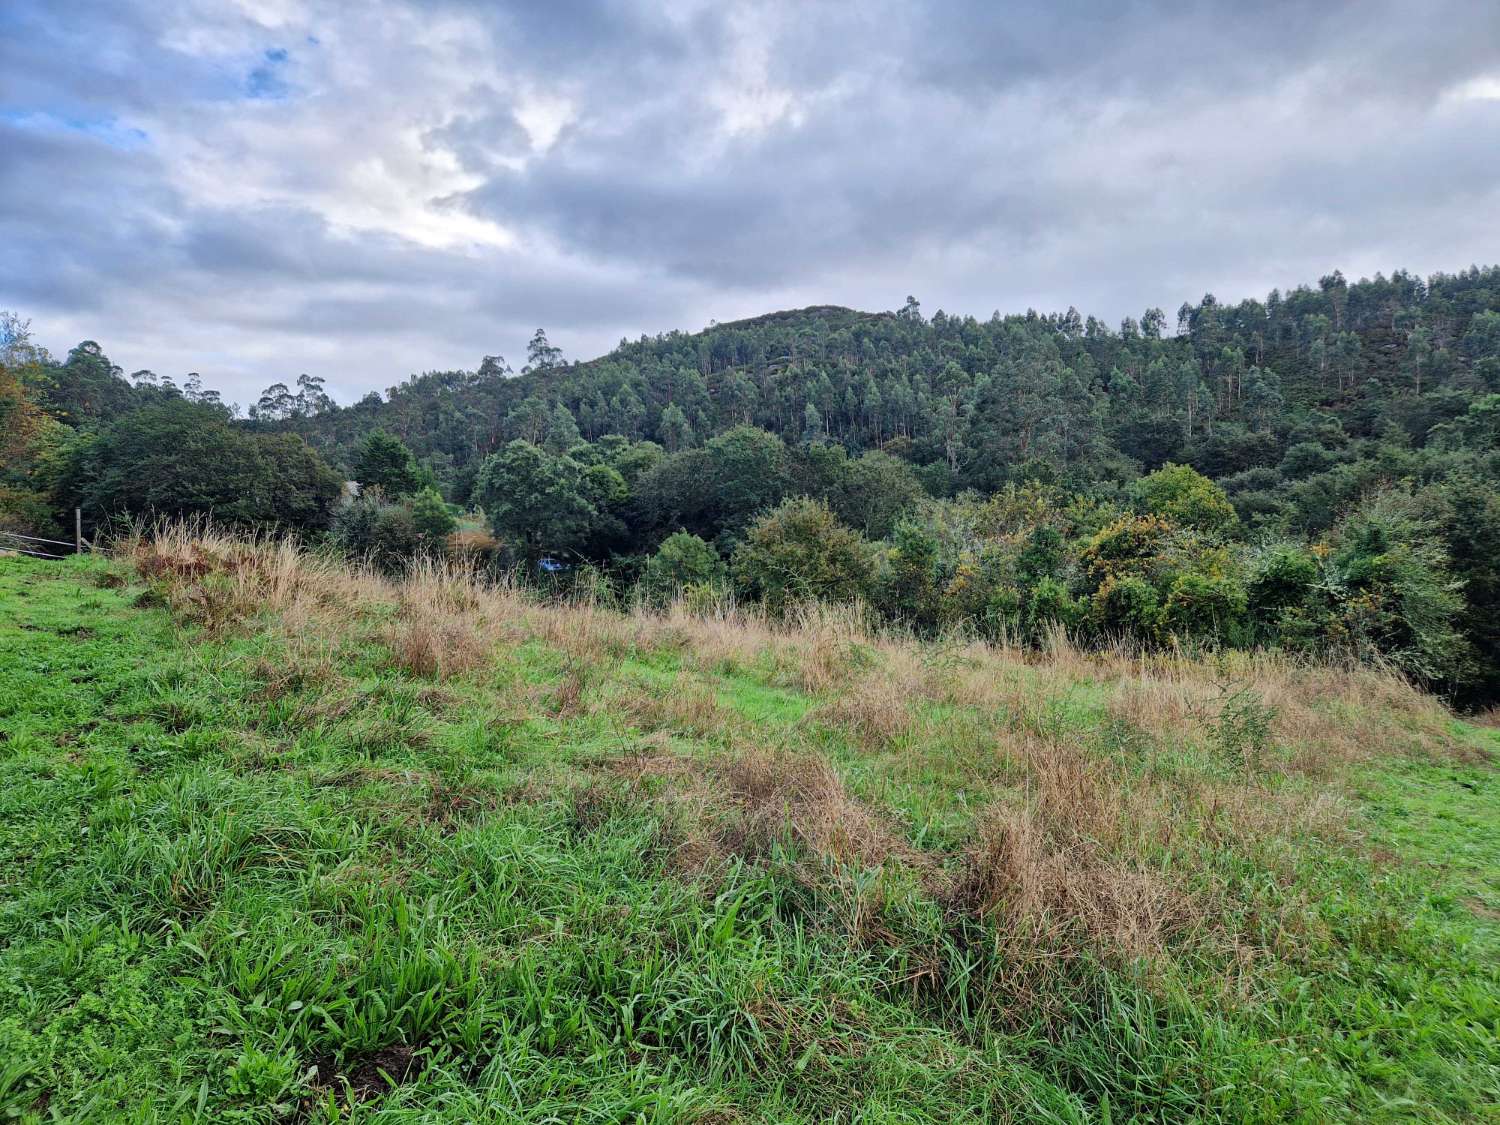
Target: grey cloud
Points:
(983, 156)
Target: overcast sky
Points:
(363, 190)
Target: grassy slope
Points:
(345, 854)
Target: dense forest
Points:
(1316, 471)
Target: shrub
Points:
(1051, 604)
(1131, 545)
(433, 521)
(369, 529)
(1397, 597)
(1188, 498)
(800, 551)
(909, 588)
(1202, 606)
(1280, 575)
(1128, 607)
(683, 560)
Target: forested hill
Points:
(1317, 472)
(1260, 395)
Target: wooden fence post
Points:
(78, 531)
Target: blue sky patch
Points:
(265, 83)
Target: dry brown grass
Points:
(874, 711)
(782, 794)
(1073, 854)
(684, 708)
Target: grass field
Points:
(281, 842)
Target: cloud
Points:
(254, 190)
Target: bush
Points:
(682, 561)
(1280, 576)
(1397, 598)
(371, 530)
(1205, 607)
(800, 551)
(910, 587)
(1051, 605)
(1131, 545)
(1188, 498)
(434, 522)
(1127, 607)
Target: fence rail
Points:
(36, 538)
(78, 545)
(33, 554)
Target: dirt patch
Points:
(453, 807)
(363, 1077)
(1482, 910)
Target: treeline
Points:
(1003, 474)
(78, 434)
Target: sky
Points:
(365, 190)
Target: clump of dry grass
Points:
(751, 802)
(874, 710)
(778, 793)
(568, 697)
(435, 649)
(686, 708)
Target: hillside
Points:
(1227, 388)
(1316, 473)
(282, 840)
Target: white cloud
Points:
(414, 185)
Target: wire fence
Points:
(22, 544)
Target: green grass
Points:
(240, 884)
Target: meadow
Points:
(282, 840)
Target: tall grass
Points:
(808, 852)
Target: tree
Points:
(433, 521)
(275, 403)
(85, 389)
(675, 432)
(29, 440)
(372, 530)
(801, 552)
(540, 354)
(874, 491)
(311, 398)
(681, 561)
(562, 430)
(178, 458)
(1186, 497)
(384, 462)
(493, 367)
(535, 500)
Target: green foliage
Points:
(184, 459)
(1187, 498)
(1396, 596)
(1127, 606)
(800, 552)
(1202, 606)
(683, 560)
(873, 491)
(911, 591)
(374, 530)
(538, 501)
(433, 521)
(384, 462)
